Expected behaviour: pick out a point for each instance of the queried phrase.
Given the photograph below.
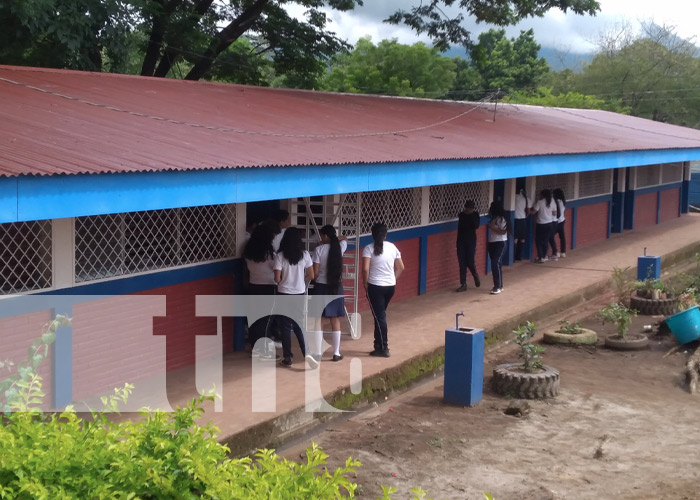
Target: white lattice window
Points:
(119, 244)
(671, 172)
(648, 175)
(26, 261)
(594, 183)
(565, 182)
(447, 201)
(397, 208)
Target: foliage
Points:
(543, 96)
(431, 18)
(391, 68)
(623, 284)
(570, 328)
(530, 353)
(619, 314)
(688, 298)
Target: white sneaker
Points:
(313, 364)
(496, 291)
(562, 255)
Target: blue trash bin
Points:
(464, 366)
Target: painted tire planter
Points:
(508, 380)
(586, 337)
(654, 307)
(631, 342)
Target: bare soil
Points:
(624, 426)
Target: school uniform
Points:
(336, 308)
(292, 283)
(543, 226)
(496, 249)
(381, 284)
(559, 229)
(466, 246)
(520, 229)
(261, 281)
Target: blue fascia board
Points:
(58, 196)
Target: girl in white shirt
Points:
(543, 223)
(558, 225)
(381, 267)
(499, 227)
(328, 269)
(522, 209)
(293, 268)
(259, 259)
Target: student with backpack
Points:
(544, 217)
(499, 227)
(558, 225)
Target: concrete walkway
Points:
(416, 333)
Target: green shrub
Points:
(530, 353)
(618, 314)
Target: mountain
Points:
(556, 59)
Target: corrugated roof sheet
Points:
(70, 122)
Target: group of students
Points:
(550, 216)
(278, 264)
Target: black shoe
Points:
(337, 357)
(380, 353)
(286, 362)
(462, 288)
(477, 281)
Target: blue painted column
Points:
(423, 264)
(510, 244)
(618, 203)
(629, 209)
(574, 226)
(610, 210)
(685, 198)
(464, 366)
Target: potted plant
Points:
(653, 298)
(529, 379)
(622, 316)
(570, 333)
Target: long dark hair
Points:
(379, 231)
(259, 246)
(558, 194)
(334, 267)
(523, 192)
(546, 194)
(292, 245)
(496, 210)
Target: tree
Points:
(431, 18)
(544, 97)
(391, 68)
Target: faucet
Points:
(457, 319)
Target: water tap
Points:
(457, 319)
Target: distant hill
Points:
(556, 59)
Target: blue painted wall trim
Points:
(46, 197)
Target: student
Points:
(381, 267)
(259, 258)
(328, 270)
(281, 218)
(293, 268)
(499, 227)
(558, 225)
(466, 244)
(543, 222)
(522, 207)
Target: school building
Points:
(114, 185)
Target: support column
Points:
(618, 200)
(239, 323)
(630, 184)
(685, 190)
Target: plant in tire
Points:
(531, 354)
(618, 314)
(569, 328)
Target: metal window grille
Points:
(694, 166)
(565, 182)
(119, 244)
(447, 201)
(397, 208)
(671, 172)
(26, 261)
(647, 175)
(594, 183)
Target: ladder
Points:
(342, 211)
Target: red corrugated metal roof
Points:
(120, 123)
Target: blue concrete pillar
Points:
(648, 267)
(423, 265)
(464, 366)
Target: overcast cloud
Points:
(556, 29)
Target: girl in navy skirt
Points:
(328, 270)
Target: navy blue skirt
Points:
(336, 309)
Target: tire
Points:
(508, 381)
(586, 337)
(631, 342)
(654, 307)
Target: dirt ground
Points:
(624, 426)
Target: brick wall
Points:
(443, 268)
(670, 204)
(592, 224)
(645, 210)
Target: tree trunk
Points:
(225, 38)
(155, 41)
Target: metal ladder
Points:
(342, 211)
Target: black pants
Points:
(496, 250)
(542, 235)
(379, 297)
(261, 328)
(466, 252)
(288, 326)
(558, 230)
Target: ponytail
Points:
(334, 266)
(379, 231)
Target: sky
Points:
(565, 32)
